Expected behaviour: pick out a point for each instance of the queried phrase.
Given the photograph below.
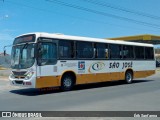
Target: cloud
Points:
(4, 17)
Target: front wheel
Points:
(128, 77)
(67, 83)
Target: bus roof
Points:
(89, 39)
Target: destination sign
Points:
(24, 39)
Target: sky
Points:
(90, 18)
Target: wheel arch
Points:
(69, 72)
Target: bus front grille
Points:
(18, 82)
(22, 73)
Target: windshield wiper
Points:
(25, 45)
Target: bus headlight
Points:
(12, 76)
(29, 75)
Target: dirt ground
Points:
(4, 74)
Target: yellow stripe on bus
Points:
(47, 81)
(141, 74)
(53, 81)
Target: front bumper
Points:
(30, 83)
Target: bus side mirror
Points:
(4, 49)
(4, 52)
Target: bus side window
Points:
(115, 51)
(66, 49)
(84, 49)
(128, 52)
(139, 52)
(47, 53)
(101, 50)
(149, 53)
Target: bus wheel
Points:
(67, 82)
(128, 77)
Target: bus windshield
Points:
(23, 56)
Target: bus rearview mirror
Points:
(4, 52)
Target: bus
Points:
(43, 60)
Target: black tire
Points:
(128, 77)
(67, 82)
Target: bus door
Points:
(46, 64)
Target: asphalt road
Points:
(142, 95)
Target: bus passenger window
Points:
(84, 50)
(47, 54)
(128, 52)
(139, 52)
(101, 50)
(149, 53)
(66, 49)
(115, 51)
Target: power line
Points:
(2, 0)
(58, 13)
(80, 18)
(104, 14)
(104, 4)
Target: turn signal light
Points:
(28, 83)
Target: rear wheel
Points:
(67, 82)
(128, 77)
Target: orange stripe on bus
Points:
(47, 81)
(53, 81)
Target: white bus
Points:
(42, 60)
